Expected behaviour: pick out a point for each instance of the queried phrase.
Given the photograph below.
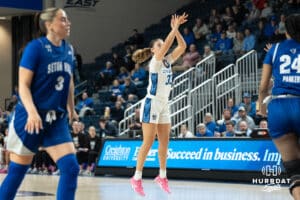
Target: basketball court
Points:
(39, 187)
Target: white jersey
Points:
(160, 79)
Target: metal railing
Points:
(224, 74)
(179, 110)
(247, 66)
(221, 97)
(180, 88)
(189, 74)
(204, 70)
(129, 115)
(80, 88)
(201, 100)
(229, 88)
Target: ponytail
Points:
(36, 22)
(292, 25)
(141, 55)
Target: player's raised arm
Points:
(181, 47)
(175, 23)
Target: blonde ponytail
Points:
(141, 55)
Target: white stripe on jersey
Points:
(275, 52)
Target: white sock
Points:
(162, 173)
(138, 175)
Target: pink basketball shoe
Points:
(163, 183)
(137, 186)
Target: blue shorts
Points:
(23, 143)
(284, 117)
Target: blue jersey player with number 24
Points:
(283, 63)
(46, 99)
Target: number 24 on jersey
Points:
(288, 64)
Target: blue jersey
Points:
(284, 58)
(52, 67)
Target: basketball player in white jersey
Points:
(155, 114)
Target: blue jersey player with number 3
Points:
(283, 63)
(46, 99)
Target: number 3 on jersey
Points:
(286, 67)
(60, 83)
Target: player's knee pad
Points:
(68, 165)
(293, 170)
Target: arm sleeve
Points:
(31, 54)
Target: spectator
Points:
(107, 74)
(249, 41)
(188, 36)
(270, 28)
(116, 90)
(122, 75)
(129, 64)
(202, 131)
(128, 88)
(200, 29)
(190, 59)
(253, 15)
(227, 16)
(118, 62)
(82, 128)
(249, 105)
(281, 25)
(135, 126)
(238, 16)
(94, 145)
(238, 43)
(260, 32)
(230, 131)
(243, 129)
(216, 35)
(231, 33)
(107, 128)
(213, 16)
(107, 113)
(138, 75)
(263, 125)
(209, 123)
(221, 124)
(85, 105)
(208, 51)
(242, 116)
(117, 112)
(80, 143)
(184, 132)
(259, 4)
(231, 107)
(223, 45)
(266, 11)
(4, 157)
